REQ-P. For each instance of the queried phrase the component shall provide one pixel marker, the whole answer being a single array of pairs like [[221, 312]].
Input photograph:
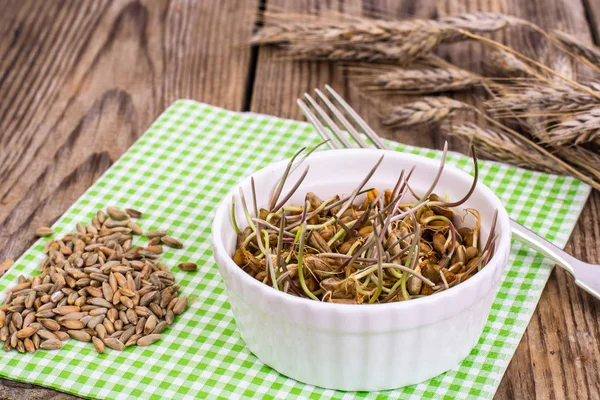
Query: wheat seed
[[133, 213], [116, 214], [188, 266], [44, 231], [156, 249], [5, 265], [98, 344], [155, 234], [172, 242], [51, 344], [180, 305], [148, 339], [135, 229], [27, 332], [46, 335], [114, 344], [94, 283], [82, 336], [160, 327], [29, 346], [64, 310]]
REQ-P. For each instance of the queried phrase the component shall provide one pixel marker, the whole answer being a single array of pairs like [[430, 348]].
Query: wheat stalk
[[427, 110], [531, 61], [478, 22], [483, 21], [542, 97], [415, 80], [502, 63], [590, 54], [499, 146]]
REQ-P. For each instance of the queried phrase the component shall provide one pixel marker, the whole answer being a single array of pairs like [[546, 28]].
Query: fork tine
[[329, 122], [317, 124], [340, 117], [366, 128]]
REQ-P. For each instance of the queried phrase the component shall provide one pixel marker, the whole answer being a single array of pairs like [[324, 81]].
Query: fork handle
[[587, 276]]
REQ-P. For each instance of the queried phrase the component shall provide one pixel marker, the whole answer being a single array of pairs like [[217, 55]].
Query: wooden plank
[[564, 329], [558, 355], [592, 8], [279, 83], [81, 80]]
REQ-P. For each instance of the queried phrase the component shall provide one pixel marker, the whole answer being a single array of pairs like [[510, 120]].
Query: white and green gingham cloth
[[177, 173]]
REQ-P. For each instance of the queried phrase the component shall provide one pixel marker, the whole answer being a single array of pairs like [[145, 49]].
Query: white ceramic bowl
[[361, 347]]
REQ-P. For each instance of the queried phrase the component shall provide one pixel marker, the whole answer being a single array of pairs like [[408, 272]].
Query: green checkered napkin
[[177, 174]]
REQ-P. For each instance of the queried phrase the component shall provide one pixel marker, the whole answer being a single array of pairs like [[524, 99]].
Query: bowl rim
[[502, 245]]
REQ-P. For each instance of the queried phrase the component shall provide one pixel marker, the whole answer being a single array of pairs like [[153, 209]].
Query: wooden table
[[81, 80]]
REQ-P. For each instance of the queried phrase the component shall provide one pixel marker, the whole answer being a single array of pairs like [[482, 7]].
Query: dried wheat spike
[[332, 53], [413, 46], [501, 147], [589, 52], [334, 28], [334, 36], [540, 98], [501, 63], [483, 21], [581, 128], [479, 22], [427, 110], [416, 80]]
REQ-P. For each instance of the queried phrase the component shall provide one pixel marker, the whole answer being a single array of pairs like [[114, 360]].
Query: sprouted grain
[[390, 246]]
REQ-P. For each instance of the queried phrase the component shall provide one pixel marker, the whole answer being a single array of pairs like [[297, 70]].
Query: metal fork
[[587, 276]]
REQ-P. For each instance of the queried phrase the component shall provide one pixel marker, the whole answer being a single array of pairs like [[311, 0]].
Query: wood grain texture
[[80, 80], [278, 96], [592, 12], [558, 356]]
